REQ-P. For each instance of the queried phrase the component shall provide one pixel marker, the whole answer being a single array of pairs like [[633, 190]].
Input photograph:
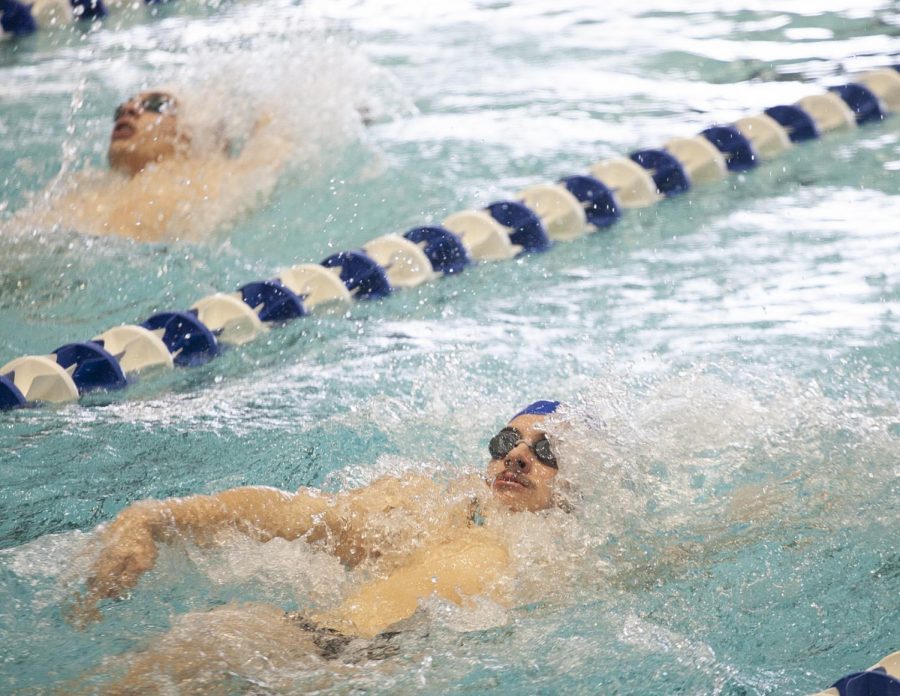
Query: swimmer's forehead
[[527, 424], [145, 93]]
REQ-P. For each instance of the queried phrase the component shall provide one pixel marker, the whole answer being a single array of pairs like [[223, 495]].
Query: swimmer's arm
[[264, 148], [129, 543], [258, 511]]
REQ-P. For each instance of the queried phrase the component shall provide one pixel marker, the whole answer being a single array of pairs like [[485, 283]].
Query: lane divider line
[[538, 217]]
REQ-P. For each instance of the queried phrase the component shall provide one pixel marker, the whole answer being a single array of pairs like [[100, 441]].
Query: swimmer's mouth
[[511, 480], [122, 130]]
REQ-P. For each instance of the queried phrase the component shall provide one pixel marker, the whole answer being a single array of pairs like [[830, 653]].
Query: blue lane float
[[577, 205], [796, 122], [864, 105], [445, 251], [16, 19], [525, 227], [600, 205], [272, 301], [21, 19], [868, 684], [189, 341], [881, 679], [739, 153], [90, 366], [10, 396], [667, 172], [89, 9], [364, 278]]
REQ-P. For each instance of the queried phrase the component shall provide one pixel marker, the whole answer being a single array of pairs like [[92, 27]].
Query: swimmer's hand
[[128, 550]]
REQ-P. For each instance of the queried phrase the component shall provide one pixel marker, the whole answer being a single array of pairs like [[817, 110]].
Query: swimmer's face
[[145, 131], [522, 476]]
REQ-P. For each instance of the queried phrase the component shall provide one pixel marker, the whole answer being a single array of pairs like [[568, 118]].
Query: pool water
[[729, 357]]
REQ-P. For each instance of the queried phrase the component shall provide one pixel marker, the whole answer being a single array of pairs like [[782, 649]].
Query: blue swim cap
[[538, 408]]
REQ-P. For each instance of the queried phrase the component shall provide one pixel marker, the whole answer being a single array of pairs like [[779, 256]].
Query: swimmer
[[439, 550], [417, 538], [169, 177], [145, 132]]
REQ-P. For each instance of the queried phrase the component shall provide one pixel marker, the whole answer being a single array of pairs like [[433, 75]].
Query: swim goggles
[[507, 439], [157, 102]]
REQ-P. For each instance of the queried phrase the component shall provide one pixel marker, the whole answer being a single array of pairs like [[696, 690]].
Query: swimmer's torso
[[420, 539], [386, 523], [180, 198], [146, 207]]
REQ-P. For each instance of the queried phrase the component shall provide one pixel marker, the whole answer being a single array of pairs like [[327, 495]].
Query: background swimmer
[[145, 132], [167, 171], [186, 160]]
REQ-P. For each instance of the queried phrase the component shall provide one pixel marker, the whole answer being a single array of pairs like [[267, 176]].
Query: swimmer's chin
[[511, 494], [504, 486]]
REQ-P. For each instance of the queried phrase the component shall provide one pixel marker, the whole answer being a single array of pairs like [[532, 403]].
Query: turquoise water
[[740, 338]]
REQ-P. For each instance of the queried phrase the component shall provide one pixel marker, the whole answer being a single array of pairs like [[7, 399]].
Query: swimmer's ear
[[221, 140], [563, 504], [564, 496]]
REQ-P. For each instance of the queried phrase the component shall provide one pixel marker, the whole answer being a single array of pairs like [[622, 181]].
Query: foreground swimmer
[[168, 179], [418, 538]]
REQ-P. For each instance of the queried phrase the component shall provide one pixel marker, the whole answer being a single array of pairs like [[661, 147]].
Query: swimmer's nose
[[515, 461], [129, 108]]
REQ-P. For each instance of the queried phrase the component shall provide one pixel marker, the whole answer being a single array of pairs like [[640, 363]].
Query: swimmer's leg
[[225, 650]]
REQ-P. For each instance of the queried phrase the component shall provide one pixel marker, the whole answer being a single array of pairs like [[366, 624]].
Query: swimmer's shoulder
[[383, 495], [403, 487]]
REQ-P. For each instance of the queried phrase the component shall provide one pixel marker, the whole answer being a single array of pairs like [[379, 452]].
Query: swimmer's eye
[[157, 103], [544, 453], [503, 443]]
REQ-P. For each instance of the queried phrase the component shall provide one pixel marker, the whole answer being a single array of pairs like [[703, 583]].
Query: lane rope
[[532, 222]]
